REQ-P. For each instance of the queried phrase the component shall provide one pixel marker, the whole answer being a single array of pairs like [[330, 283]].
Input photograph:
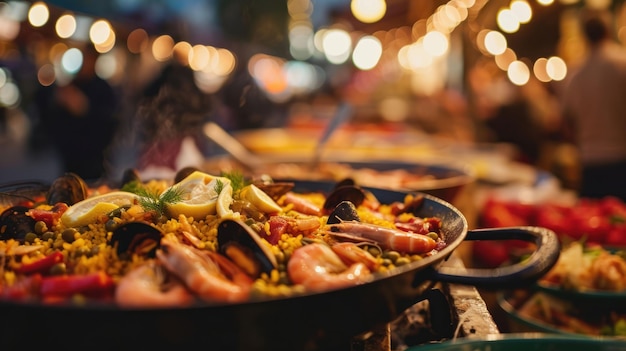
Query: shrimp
[[351, 253], [145, 286], [209, 275], [317, 267], [302, 205], [388, 238]]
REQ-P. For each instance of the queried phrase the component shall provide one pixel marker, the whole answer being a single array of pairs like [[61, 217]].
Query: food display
[[592, 221], [588, 268], [584, 292], [544, 312], [201, 237]]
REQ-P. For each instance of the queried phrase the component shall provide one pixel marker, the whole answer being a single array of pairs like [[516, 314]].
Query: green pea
[[391, 255], [58, 269], [374, 251], [30, 237], [402, 261], [433, 235], [110, 225], [69, 235], [47, 236], [82, 251], [40, 227]]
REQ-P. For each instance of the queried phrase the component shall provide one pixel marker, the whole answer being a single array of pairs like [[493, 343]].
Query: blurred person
[[594, 108], [168, 123], [79, 119]]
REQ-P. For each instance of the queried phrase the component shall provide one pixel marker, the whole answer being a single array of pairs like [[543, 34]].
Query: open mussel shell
[[22, 192], [351, 193], [140, 238], [345, 211], [275, 189], [15, 223], [184, 173], [242, 245], [68, 188]]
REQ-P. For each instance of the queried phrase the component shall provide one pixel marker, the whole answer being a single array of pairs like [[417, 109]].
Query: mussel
[[275, 189], [351, 193], [69, 188], [242, 245], [129, 176], [22, 193], [15, 223], [140, 238], [345, 211], [183, 173]]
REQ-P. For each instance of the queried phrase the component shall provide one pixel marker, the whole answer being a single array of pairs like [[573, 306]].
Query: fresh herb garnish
[[219, 186], [153, 201], [237, 180]]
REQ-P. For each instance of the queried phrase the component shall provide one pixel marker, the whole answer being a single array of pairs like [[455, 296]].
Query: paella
[[201, 237]]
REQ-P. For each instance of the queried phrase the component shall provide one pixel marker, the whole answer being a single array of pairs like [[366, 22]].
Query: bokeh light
[[367, 52], [368, 11], [495, 42], [162, 48], [518, 73], [72, 60], [556, 68], [65, 26], [337, 45], [38, 14]]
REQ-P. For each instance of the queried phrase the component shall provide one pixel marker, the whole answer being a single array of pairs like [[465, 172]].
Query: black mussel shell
[[275, 190], [415, 205], [345, 182], [345, 211], [236, 234], [130, 175], [22, 192], [184, 173], [69, 189], [351, 193], [15, 223], [140, 238]]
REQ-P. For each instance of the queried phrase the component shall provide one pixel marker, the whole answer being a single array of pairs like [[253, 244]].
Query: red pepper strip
[[50, 217], [68, 285], [23, 289], [42, 265]]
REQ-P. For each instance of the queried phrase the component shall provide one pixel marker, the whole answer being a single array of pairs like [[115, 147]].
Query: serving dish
[[530, 310], [311, 321]]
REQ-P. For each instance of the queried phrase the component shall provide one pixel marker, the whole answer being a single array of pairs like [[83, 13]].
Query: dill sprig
[[153, 201], [237, 180]]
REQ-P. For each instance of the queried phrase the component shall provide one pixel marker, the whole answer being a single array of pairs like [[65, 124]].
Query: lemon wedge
[[199, 195], [224, 200], [259, 199], [88, 210]]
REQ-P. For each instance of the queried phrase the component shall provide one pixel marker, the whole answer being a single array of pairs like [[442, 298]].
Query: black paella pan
[[316, 321]]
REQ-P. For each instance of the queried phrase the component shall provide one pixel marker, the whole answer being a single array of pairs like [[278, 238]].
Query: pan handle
[[516, 275]]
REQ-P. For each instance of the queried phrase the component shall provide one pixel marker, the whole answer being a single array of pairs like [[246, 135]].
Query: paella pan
[[265, 300]]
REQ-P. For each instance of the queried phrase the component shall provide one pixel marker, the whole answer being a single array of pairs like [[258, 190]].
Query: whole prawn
[[388, 238], [317, 267], [209, 275], [146, 286]]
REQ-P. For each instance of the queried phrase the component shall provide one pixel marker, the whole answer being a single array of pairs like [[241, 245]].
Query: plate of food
[[537, 311], [587, 271]]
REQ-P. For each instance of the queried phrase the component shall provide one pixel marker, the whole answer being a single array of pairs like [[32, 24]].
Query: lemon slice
[[259, 199], [199, 195], [88, 210], [224, 200]]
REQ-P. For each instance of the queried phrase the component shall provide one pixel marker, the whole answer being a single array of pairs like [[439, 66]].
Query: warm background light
[[368, 11]]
